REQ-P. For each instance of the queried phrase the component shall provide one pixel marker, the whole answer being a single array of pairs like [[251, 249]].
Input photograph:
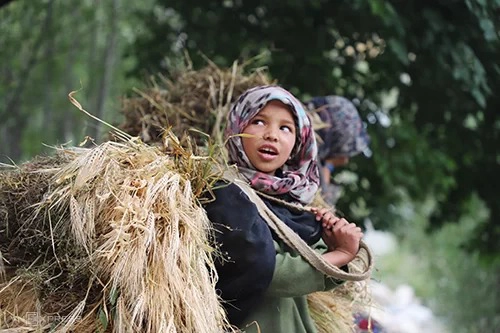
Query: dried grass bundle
[[198, 99], [128, 249], [21, 189], [332, 311]]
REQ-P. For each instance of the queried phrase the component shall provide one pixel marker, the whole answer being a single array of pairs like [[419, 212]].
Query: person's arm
[[294, 276]]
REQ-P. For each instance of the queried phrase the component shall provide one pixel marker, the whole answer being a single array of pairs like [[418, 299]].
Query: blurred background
[[424, 75]]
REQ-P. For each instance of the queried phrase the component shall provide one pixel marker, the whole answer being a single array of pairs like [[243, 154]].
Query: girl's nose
[[270, 135]]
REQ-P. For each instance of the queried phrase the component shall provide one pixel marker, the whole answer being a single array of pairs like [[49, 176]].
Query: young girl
[[262, 281]]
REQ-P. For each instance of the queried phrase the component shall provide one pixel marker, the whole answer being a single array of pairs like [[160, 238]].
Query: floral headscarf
[[345, 135], [299, 176]]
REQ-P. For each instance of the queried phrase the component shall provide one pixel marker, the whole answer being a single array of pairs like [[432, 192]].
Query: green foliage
[[440, 56], [455, 282], [467, 288], [48, 49]]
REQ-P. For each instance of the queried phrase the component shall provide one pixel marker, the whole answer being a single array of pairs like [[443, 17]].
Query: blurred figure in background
[[341, 136]]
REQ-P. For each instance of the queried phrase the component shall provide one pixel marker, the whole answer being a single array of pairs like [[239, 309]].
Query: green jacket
[[284, 308]]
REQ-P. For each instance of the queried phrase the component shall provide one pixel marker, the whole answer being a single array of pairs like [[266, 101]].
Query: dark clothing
[[303, 223], [248, 247]]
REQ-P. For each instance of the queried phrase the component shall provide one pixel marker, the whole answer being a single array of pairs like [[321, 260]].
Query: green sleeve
[[293, 276]]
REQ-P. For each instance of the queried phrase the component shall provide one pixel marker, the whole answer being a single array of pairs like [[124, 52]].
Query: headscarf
[[345, 134], [299, 177]]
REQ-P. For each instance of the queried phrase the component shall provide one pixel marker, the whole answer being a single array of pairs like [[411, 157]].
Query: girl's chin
[[267, 171]]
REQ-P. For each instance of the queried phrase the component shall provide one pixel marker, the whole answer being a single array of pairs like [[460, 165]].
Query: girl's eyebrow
[[289, 122]]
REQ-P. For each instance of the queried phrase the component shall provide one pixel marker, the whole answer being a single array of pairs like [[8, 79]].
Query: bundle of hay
[[332, 311], [111, 238], [198, 99]]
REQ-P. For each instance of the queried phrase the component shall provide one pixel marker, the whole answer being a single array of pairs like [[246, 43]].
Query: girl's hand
[[325, 216], [344, 238]]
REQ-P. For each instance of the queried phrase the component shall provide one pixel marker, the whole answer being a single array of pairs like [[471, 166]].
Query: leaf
[[479, 97], [113, 296], [489, 31], [103, 319], [399, 49]]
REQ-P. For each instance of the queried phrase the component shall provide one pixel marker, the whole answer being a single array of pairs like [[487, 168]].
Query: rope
[[360, 267]]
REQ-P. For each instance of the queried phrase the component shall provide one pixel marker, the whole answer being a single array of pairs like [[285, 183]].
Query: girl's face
[[271, 137]]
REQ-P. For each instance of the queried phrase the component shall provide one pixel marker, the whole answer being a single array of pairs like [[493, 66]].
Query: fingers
[[345, 226], [343, 230], [336, 225], [348, 231], [326, 216], [320, 213], [341, 223], [330, 221]]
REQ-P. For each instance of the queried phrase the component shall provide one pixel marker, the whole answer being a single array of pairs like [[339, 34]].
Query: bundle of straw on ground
[[189, 98], [109, 239]]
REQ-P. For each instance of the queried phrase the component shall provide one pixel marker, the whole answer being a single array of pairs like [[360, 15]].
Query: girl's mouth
[[268, 151]]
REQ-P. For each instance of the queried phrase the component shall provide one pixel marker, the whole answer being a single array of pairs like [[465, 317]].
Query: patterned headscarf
[[345, 135], [299, 176]]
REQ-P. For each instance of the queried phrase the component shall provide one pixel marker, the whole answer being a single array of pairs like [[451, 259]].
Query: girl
[[263, 282]]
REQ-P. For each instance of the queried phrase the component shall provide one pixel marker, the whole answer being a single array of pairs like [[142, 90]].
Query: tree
[[50, 48], [4, 2], [438, 57]]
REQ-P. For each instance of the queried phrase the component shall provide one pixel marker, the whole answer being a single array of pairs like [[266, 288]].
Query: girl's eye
[[286, 129], [257, 122]]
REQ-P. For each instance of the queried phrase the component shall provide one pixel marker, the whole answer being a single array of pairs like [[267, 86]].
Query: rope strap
[[359, 268]]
